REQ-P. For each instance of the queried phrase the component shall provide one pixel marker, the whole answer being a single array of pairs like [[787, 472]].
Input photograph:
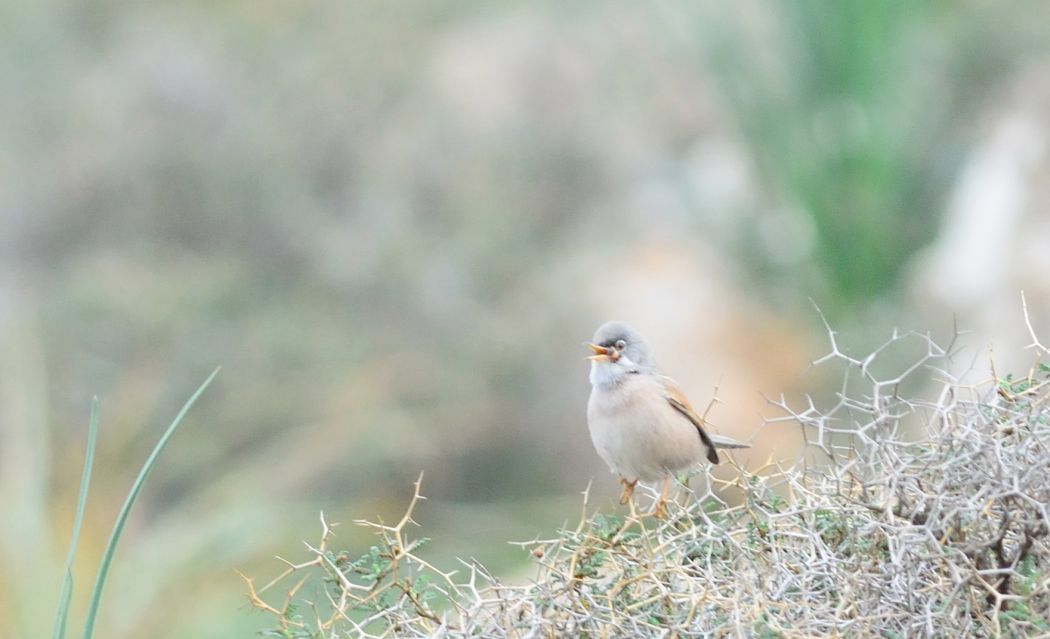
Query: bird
[[640, 422]]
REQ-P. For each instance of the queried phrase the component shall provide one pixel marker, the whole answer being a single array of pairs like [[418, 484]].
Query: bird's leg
[[660, 509], [628, 490]]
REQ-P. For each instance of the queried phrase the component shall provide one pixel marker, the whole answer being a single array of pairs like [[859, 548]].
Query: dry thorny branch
[[905, 517]]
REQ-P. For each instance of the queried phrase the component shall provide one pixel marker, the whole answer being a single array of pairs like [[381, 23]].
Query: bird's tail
[[721, 441]]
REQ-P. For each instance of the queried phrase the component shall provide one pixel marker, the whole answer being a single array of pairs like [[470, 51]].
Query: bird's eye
[[620, 344]]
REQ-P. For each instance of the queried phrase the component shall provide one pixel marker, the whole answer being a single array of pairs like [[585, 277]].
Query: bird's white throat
[[607, 374]]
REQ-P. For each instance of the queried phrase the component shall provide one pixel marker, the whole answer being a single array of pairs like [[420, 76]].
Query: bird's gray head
[[618, 350]]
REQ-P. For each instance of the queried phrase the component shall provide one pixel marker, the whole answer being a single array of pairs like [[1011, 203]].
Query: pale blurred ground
[[393, 225]]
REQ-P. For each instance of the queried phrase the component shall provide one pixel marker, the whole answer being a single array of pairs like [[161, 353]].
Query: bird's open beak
[[601, 353]]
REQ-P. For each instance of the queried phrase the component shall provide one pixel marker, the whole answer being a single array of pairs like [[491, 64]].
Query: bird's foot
[[628, 490]]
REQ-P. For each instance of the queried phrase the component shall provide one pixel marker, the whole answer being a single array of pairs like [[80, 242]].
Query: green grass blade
[[62, 616], [129, 501]]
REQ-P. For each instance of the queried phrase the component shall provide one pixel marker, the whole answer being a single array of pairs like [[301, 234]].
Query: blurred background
[[393, 224]]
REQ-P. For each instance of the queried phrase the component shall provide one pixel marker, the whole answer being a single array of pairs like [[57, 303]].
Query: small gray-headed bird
[[641, 424]]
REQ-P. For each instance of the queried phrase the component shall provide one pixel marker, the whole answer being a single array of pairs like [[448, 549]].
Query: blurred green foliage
[[858, 113]]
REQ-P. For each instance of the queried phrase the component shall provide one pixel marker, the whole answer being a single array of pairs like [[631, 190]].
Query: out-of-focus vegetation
[[858, 116], [393, 224]]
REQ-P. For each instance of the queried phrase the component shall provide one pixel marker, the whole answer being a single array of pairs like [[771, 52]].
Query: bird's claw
[[628, 490]]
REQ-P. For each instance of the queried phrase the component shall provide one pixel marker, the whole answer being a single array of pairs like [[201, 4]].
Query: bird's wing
[[677, 399]]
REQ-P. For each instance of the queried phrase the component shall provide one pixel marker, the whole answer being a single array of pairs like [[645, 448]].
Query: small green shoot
[[65, 596], [62, 616]]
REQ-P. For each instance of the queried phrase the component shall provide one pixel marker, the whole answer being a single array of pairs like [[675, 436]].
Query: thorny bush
[[905, 516]]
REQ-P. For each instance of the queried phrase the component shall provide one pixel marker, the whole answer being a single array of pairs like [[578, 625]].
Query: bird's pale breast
[[638, 433]]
